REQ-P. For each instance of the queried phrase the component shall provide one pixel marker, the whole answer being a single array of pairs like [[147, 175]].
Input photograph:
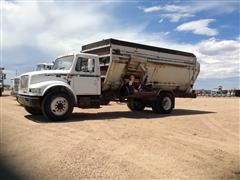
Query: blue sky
[[35, 32]]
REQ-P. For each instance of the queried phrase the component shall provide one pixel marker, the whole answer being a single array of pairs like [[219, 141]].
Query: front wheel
[[33, 110], [57, 106], [17, 100], [164, 103]]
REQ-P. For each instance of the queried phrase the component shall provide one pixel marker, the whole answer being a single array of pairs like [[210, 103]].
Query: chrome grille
[[24, 83], [16, 84]]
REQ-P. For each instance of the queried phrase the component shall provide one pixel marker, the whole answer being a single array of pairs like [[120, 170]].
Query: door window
[[83, 64]]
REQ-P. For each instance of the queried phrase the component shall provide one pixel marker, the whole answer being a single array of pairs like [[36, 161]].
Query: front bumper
[[31, 101]]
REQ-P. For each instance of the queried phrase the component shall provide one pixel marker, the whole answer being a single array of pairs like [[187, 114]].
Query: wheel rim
[[166, 103], [59, 106]]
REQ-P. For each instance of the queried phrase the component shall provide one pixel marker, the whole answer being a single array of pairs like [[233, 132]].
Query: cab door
[[86, 80]]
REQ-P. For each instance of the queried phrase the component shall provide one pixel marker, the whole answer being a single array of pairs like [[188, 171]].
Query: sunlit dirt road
[[199, 140]]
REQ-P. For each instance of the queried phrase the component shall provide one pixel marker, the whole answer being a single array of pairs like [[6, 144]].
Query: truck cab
[[55, 92]]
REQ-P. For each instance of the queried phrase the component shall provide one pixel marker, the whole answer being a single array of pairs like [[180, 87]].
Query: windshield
[[40, 67], [63, 63]]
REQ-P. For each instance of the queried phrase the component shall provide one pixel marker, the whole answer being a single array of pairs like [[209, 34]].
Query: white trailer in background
[[110, 70]]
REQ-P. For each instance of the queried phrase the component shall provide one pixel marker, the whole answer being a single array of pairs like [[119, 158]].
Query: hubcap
[[166, 103], [59, 106]]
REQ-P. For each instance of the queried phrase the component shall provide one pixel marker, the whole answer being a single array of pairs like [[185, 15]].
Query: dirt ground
[[199, 140]]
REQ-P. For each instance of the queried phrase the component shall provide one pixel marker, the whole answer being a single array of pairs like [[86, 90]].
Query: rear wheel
[[164, 103], [57, 106], [136, 105], [33, 110]]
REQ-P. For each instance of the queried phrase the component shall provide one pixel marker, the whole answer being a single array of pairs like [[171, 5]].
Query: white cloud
[[189, 9], [175, 17], [152, 9], [223, 47], [168, 8], [161, 20], [194, 7], [175, 8], [48, 24], [215, 7], [219, 58], [198, 27], [172, 12]]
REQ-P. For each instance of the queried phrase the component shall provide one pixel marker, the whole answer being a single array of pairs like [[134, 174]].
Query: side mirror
[[90, 65]]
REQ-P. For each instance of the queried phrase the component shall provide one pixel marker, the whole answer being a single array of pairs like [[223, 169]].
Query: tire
[[135, 105], [33, 111], [57, 106], [17, 99], [0, 92], [164, 103]]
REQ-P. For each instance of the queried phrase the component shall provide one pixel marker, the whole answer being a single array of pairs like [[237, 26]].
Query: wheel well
[[60, 89], [165, 91]]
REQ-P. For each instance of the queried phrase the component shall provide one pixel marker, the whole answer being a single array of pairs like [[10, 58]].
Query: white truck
[[15, 86], [110, 70], [2, 77]]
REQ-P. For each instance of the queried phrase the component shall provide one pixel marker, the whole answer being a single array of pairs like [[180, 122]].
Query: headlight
[[35, 90]]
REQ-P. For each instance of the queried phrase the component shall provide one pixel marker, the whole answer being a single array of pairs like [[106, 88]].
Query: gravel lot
[[199, 140]]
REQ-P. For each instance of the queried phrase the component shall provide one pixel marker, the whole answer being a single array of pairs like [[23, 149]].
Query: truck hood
[[50, 72]]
